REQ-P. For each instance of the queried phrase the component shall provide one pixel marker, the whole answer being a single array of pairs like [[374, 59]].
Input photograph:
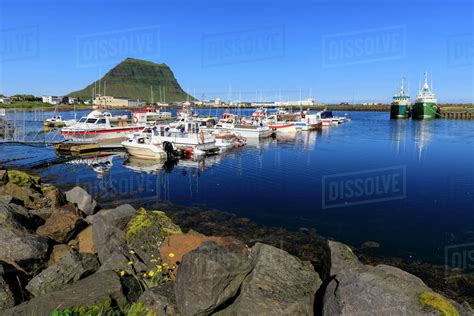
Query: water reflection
[[423, 133], [100, 163]]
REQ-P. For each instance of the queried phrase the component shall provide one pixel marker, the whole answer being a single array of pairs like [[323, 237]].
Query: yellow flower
[[171, 255], [151, 273], [122, 273], [153, 260], [165, 264], [130, 263], [144, 275], [132, 252]]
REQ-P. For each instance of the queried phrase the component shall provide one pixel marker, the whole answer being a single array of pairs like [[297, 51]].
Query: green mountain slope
[[133, 78]]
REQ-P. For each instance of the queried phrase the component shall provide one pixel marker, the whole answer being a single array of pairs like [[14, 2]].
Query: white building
[[307, 102], [5, 100], [52, 99]]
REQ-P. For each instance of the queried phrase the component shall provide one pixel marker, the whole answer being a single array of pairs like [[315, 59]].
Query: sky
[[330, 50]]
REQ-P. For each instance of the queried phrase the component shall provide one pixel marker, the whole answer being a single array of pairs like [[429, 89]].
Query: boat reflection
[[156, 166], [398, 132], [100, 163], [423, 131]]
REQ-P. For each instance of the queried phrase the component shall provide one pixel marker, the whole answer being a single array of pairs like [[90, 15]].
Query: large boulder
[[340, 257], [70, 268], [3, 176], [209, 277], [95, 289], [7, 299], [17, 243], [108, 230], [82, 199], [160, 300], [379, 290], [60, 226], [146, 231], [57, 253], [279, 284]]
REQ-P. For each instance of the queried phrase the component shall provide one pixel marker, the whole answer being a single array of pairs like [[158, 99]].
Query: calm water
[[418, 181]]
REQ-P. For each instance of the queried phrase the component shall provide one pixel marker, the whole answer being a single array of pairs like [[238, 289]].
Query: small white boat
[[326, 117], [160, 140], [226, 139], [57, 121], [253, 129], [280, 126], [149, 115], [100, 125]]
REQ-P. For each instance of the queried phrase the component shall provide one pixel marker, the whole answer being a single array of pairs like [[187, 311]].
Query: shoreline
[[305, 244]]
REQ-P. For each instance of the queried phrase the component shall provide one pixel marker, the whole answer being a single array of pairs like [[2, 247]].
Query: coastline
[[36, 203]]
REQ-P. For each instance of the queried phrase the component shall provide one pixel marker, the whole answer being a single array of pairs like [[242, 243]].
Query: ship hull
[[424, 111], [399, 111]]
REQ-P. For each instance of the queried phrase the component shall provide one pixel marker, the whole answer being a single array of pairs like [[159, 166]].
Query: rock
[[70, 268], [161, 300], [279, 284], [3, 176], [370, 245], [146, 231], [23, 194], [23, 179], [117, 261], [95, 289], [180, 245], [107, 230], [7, 299], [86, 242], [379, 290], [5, 198], [53, 197], [82, 199], [208, 277], [17, 243], [340, 257], [58, 252], [60, 226]]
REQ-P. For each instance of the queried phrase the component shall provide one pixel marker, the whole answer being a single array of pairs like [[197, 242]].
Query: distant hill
[[133, 78]]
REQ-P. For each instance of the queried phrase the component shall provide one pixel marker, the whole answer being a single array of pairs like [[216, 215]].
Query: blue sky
[[332, 50]]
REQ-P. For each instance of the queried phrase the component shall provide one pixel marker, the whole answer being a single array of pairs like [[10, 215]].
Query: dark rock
[[117, 261], [24, 194], [82, 199], [60, 226], [208, 277], [7, 299], [380, 290], [94, 289], [145, 233], [17, 243], [161, 300], [70, 268], [53, 197], [107, 230], [279, 284]]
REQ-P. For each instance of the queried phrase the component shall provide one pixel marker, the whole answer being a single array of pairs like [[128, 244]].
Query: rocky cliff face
[[69, 256]]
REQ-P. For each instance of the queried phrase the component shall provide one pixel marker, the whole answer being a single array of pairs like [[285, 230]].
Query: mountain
[[133, 79]]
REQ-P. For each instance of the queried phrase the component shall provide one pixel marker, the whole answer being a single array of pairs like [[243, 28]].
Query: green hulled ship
[[425, 103], [400, 107]]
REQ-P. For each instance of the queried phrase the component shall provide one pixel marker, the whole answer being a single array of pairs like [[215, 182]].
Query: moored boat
[[425, 106], [100, 125], [57, 121], [400, 107]]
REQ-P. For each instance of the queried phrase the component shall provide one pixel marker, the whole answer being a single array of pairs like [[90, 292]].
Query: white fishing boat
[[326, 117], [149, 115], [57, 121], [253, 129], [276, 124], [159, 140], [100, 125], [309, 122], [226, 139]]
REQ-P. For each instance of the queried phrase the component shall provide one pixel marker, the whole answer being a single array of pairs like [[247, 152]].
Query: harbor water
[[407, 185]]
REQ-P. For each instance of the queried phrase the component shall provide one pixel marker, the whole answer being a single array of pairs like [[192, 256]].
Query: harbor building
[[107, 101], [52, 99]]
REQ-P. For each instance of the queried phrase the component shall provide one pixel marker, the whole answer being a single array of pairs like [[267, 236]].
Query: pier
[[465, 114]]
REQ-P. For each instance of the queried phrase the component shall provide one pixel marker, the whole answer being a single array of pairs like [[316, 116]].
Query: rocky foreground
[[61, 254]]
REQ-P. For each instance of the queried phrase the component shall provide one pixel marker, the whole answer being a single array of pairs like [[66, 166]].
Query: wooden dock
[[78, 148]]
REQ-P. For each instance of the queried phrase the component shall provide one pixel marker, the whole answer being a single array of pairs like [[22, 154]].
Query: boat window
[[91, 120], [82, 120], [102, 121]]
